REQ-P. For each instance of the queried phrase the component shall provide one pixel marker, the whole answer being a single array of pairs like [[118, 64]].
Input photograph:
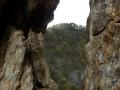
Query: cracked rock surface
[[103, 70], [22, 26]]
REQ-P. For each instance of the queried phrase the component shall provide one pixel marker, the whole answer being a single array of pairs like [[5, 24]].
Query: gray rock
[[103, 71], [22, 23]]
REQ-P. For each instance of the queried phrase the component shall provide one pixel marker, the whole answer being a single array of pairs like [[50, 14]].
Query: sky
[[68, 11]]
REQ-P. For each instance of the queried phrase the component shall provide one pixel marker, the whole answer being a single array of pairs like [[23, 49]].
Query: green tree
[[65, 53]]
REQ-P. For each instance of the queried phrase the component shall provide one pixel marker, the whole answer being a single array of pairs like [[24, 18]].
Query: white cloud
[[71, 11]]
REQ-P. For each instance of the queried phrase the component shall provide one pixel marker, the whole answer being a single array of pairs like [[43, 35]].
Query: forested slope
[[66, 55]]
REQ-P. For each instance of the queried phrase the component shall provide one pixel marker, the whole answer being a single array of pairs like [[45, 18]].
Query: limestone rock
[[22, 65], [103, 70]]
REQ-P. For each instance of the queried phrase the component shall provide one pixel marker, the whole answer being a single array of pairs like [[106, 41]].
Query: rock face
[[103, 71], [26, 14], [22, 23]]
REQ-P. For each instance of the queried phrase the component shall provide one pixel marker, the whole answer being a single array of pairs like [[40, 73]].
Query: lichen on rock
[[22, 26], [102, 72]]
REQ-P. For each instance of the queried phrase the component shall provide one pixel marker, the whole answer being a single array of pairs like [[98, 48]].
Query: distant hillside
[[65, 53]]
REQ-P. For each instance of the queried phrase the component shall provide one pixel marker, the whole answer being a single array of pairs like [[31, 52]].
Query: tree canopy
[[65, 53]]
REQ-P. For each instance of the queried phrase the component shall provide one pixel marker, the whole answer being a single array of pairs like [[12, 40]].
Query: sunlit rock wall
[[103, 70]]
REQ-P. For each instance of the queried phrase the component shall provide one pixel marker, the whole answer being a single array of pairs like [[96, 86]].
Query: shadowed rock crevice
[[26, 14]]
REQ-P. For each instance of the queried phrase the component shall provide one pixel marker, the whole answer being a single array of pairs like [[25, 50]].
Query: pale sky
[[68, 11]]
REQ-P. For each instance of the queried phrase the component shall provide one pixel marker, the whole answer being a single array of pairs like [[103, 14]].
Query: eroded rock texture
[[22, 26], [103, 71]]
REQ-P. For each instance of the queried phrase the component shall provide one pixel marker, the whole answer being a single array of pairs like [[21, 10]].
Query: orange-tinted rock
[[102, 72]]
